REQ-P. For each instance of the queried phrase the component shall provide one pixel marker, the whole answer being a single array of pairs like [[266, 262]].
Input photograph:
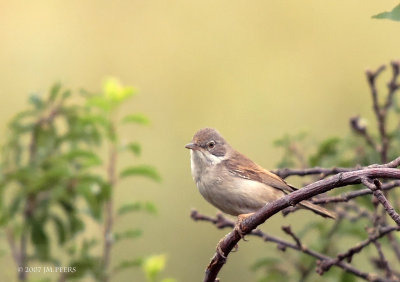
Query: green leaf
[[100, 102], [326, 149], [136, 118], [114, 91], [135, 148], [137, 206], [75, 224], [128, 234], [126, 208], [66, 94], [36, 101], [60, 228], [54, 91], [39, 239], [150, 207], [38, 236], [15, 205], [393, 15], [88, 158], [153, 265], [142, 170], [169, 280], [128, 264]]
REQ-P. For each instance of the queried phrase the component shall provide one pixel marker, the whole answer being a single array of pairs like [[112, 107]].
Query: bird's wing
[[241, 166]]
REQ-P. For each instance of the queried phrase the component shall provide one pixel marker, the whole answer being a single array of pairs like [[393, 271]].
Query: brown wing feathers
[[243, 167]]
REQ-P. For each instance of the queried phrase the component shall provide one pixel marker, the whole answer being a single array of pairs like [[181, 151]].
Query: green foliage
[[135, 148], [153, 266], [51, 159], [128, 234], [137, 206], [114, 94], [326, 149], [142, 170], [393, 15], [136, 118], [125, 264]]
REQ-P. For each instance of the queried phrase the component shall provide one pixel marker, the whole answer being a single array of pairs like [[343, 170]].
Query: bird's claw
[[238, 229], [238, 225]]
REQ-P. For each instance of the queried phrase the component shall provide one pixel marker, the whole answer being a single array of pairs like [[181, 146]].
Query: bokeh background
[[254, 70]]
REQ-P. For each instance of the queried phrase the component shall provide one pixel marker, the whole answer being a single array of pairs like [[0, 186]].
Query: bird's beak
[[191, 146]]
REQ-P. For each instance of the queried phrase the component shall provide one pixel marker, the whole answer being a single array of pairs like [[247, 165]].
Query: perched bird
[[232, 182]]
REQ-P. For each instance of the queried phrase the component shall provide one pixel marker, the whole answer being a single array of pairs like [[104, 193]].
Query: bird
[[232, 182]]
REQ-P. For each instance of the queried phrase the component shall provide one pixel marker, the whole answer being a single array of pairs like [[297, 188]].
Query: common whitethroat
[[232, 182]]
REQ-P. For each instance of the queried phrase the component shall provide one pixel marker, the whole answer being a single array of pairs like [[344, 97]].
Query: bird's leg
[[238, 224]]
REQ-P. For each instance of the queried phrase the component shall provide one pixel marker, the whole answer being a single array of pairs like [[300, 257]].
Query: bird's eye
[[211, 144]]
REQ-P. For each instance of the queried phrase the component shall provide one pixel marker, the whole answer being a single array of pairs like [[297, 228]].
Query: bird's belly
[[238, 196]]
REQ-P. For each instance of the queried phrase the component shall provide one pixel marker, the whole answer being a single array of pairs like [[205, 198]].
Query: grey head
[[209, 140]]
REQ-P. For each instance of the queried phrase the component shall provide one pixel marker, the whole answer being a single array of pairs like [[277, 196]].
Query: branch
[[286, 172], [348, 255], [109, 220], [358, 127], [354, 194], [380, 112], [376, 188], [339, 180], [383, 262], [221, 222]]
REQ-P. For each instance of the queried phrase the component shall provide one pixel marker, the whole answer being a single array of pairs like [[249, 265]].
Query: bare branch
[[348, 255], [286, 172], [376, 189], [358, 127], [288, 230], [339, 180], [354, 194], [283, 245], [383, 262]]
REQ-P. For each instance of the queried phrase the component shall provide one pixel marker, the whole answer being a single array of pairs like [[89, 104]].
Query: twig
[[348, 255], [380, 112], [376, 189], [286, 172], [354, 194], [361, 129], [109, 220], [392, 85], [384, 263], [288, 230]]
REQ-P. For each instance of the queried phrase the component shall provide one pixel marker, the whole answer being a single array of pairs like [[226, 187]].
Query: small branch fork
[[381, 111], [228, 243], [376, 188]]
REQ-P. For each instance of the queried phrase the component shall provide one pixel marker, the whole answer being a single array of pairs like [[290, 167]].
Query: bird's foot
[[238, 225]]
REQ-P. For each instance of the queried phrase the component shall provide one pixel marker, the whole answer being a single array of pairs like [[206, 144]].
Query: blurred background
[[253, 70]]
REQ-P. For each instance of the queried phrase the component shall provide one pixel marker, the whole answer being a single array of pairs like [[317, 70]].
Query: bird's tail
[[317, 209]]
